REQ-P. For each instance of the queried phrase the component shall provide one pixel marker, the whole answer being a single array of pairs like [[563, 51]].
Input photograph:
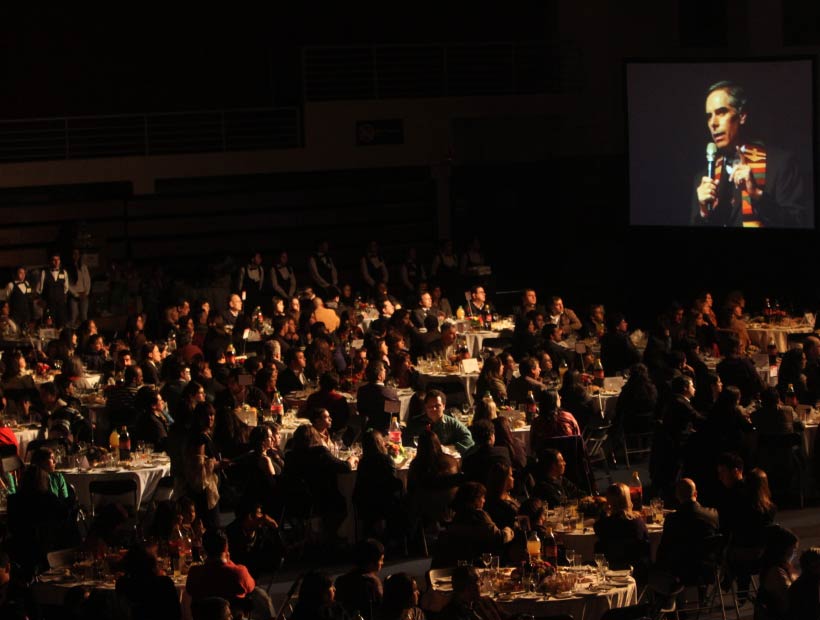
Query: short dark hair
[[373, 369], [736, 93], [482, 431], [367, 552], [315, 413], [680, 384], [433, 394], [214, 542], [730, 460]]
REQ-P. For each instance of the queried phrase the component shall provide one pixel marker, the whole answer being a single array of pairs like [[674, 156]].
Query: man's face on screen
[[723, 119]]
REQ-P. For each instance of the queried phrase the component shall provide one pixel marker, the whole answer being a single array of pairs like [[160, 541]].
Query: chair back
[[61, 557], [631, 612], [439, 579], [121, 490], [12, 466]]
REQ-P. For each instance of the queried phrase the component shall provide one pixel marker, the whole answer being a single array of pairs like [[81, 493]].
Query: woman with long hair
[[472, 531], [552, 421], [504, 437], [777, 574], [501, 505], [202, 461], [491, 380], [432, 480], [576, 400], [622, 534], [400, 599], [378, 493], [148, 594]]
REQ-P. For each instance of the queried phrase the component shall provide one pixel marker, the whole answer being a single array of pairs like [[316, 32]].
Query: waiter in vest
[[20, 295], [53, 289]]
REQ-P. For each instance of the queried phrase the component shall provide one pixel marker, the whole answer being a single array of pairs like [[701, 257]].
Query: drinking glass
[[599, 559], [570, 554], [486, 559], [415, 441]]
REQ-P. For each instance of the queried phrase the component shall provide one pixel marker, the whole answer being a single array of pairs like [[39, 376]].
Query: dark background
[[560, 221]]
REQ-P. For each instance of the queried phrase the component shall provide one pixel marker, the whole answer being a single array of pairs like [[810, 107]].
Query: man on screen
[[753, 185]]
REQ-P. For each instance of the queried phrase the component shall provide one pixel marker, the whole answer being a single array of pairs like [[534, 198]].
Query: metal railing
[[83, 137], [437, 70]]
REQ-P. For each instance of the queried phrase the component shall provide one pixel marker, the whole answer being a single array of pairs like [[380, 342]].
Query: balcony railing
[[128, 135]]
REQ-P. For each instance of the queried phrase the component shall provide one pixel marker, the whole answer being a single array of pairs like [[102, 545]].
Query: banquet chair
[[636, 435], [709, 587], [630, 612], [61, 557], [12, 466], [7, 450], [596, 441], [104, 492]]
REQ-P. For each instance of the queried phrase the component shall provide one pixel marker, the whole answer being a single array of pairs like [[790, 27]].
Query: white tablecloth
[[584, 541], [24, 437], [147, 478], [467, 381], [763, 335], [582, 605]]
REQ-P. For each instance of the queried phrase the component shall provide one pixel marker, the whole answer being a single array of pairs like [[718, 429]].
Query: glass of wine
[[602, 564]]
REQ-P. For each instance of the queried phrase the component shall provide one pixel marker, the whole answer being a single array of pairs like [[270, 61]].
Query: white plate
[[618, 574], [620, 581], [562, 595]]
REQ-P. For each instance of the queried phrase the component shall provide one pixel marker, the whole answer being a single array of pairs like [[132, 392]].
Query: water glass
[[570, 555]]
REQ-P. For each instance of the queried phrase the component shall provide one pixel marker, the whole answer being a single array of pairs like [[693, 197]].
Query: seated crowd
[[181, 387]]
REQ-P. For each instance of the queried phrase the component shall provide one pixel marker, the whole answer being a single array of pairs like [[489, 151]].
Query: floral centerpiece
[[396, 451]]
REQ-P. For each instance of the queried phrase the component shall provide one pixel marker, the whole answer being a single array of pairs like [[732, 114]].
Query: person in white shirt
[[20, 296], [53, 289], [79, 287]]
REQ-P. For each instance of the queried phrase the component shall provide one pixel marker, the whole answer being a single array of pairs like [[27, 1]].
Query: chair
[[631, 612], [12, 466], [435, 576], [7, 449], [664, 589], [104, 492], [165, 489], [597, 447], [636, 437], [709, 588], [61, 557]]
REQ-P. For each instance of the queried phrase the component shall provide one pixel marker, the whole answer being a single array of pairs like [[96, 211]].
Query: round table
[[147, 477]]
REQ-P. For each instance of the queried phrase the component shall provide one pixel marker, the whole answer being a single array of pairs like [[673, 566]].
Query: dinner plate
[[562, 595], [618, 574], [620, 581]]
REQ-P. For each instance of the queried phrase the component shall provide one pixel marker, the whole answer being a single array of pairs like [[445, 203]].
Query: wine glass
[[486, 559], [415, 441], [602, 564], [570, 554]]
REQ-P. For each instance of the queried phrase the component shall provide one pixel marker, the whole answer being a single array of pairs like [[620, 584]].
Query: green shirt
[[449, 430]]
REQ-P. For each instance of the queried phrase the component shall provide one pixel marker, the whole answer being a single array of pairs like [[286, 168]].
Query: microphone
[[711, 151]]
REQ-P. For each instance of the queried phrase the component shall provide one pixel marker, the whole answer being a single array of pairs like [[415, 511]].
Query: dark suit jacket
[[289, 382], [681, 546], [518, 388], [150, 373], [370, 400], [558, 353]]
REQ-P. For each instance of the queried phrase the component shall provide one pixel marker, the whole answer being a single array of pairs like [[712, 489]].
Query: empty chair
[[123, 491], [636, 437], [11, 468]]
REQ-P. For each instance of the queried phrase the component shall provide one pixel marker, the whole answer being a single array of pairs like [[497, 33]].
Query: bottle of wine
[[549, 548], [636, 491], [125, 444], [531, 407]]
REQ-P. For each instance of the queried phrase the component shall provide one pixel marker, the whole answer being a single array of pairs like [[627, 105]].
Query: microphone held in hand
[[711, 152]]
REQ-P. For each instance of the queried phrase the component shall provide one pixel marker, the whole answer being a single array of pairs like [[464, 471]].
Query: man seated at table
[[376, 402], [292, 379], [563, 317], [445, 346], [551, 485], [328, 397], [773, 417], [684, 532], [528, 381], [529, 303], [476, 465], [119, 399], [740, 371], [449, 430], [478, 304], [219, 576], [466, 602], [423, 310], [551, 336]]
